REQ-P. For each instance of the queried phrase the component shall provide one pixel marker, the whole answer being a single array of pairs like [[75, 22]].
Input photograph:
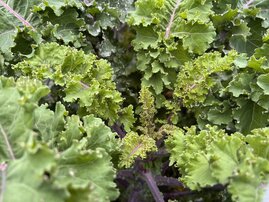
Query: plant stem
[[84, 85], [9, 148], [168, 181], [17, 15], [118, 130], [153, 186], [168, 28], [247, 4], [181, 194]]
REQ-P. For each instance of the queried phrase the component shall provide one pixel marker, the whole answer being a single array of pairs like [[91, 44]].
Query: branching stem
[[168, 28], [17, 15], [9, 148]]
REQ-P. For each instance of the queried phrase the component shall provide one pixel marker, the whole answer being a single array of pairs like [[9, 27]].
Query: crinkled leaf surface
[[88, 168], [32, 178], [16, 116], [83, 78], [9, 24], [206, 159]]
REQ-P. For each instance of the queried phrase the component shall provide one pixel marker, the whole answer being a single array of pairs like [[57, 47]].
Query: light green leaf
[[127, 118], [246, 185], [48, 123], [212, 156], [88, 168], [145, 38], [194, 80], [196, 37], [17, 114], [197, 11], [82, 77], [135, 146], [99, 135], [31, 177], [258, 140]]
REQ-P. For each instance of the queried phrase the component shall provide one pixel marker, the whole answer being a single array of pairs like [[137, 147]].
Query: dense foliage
[[124, 100]]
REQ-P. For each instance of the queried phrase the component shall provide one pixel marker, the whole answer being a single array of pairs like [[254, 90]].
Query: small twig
[[153, 186], [11, 153], [247, 4], [3, 167], [168, 28], [17, 15]]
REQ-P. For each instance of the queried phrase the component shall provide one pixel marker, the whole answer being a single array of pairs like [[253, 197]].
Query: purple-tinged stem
[[17, 15], [153, 186]]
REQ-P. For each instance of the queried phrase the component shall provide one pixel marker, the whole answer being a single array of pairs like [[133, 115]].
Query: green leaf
[[143, 12], [135, 146], [31, 177], [10, 25], [49, 124], [263, 82], [99, 135], [240, 33], [145, 38], [82, 77], [250, 178], [67, 26], [196, 37], [197, 11], [220, 116], [261, 53], [194, 80], [212, 157], [73, 131], [16, 114], [258, 140], [249, 116], [127, 118], [248, 37], [226, 157], [240, 85], [58, 6], [88, 168]]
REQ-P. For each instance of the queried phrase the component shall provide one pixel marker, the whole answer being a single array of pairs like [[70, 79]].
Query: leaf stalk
[[9, 148], [17, 15], [168, 28], [153, 186]]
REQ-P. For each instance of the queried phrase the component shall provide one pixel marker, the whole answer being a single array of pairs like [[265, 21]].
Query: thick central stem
[[168, 28], [153, 186]]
